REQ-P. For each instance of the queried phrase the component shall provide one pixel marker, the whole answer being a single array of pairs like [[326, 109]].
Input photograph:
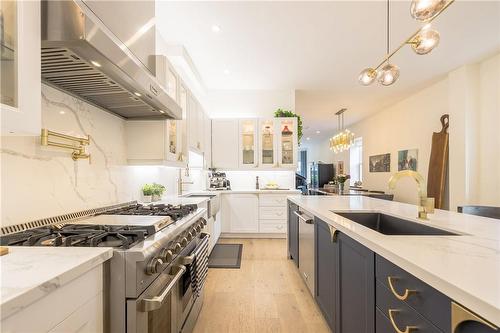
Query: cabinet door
[[356, 287], [247, 154], [286, 132], [183, 124], [326, 254], [293, 233], [267, 143], [20, 66], [172, 145], [192, 120], [242, 212], [225, 143], [207, 147], [200, 125]]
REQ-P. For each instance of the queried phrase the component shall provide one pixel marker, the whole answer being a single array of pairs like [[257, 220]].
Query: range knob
[[204, 222], [189, 236], [184, 241], [154, 266], [166, 255], [177, 248], [198, 228]]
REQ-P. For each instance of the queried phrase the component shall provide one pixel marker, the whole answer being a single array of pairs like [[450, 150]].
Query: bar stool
[[485, 211]]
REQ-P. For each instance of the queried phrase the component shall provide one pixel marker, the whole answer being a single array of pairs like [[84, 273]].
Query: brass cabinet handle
[[408, 329], [333, 233], [403, 297]]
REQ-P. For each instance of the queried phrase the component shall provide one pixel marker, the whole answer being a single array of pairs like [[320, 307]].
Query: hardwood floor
[[265, 295]]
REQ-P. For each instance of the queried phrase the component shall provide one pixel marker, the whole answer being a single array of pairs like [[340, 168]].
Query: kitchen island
[[464, 267]]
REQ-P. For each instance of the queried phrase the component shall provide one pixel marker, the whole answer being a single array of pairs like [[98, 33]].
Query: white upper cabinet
[[225, 143], [255, 143], [286, 130], [267, 143], [248, 148], [208, 141], [20, 87]]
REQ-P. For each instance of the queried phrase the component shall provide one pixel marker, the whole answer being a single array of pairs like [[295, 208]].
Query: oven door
[[159, 308]]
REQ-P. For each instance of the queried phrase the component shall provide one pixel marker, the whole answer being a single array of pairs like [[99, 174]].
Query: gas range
[[157, 247], [118, 228]]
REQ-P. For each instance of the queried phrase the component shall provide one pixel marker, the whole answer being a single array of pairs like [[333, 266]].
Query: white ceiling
[[320, 47]]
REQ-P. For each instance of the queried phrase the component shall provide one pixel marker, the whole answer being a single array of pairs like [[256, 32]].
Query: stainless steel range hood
[[82, 56]]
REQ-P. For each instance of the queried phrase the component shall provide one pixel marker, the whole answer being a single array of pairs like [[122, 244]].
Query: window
[[356, 161]]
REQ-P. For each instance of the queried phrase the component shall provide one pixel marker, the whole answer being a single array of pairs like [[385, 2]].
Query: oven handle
[[188, 260], [154, 303]]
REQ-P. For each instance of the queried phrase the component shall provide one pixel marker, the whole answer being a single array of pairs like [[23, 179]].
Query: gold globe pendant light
[[423, 41], [425, 10], [345, 138]]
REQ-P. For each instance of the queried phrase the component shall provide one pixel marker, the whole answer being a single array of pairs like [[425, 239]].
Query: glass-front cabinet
[[20, 67], [267, 143], [287, 146], [248, 156]]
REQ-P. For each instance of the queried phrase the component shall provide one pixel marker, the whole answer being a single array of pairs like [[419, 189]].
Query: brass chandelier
[[345, 138], [423, 41]]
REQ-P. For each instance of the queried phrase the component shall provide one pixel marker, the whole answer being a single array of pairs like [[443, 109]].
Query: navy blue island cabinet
[[345, 289]]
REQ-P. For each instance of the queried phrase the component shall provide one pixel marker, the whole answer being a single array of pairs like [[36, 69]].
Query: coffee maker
[[217, 181]]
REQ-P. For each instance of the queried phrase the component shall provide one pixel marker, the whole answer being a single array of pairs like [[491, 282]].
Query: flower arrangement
[[341, 179]]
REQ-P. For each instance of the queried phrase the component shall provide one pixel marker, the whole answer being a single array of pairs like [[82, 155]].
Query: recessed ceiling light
[[137, 94], [95, 63], [62, 112], [215, 28], [226, 71], [317, 132], [308, 138], [161, 111]]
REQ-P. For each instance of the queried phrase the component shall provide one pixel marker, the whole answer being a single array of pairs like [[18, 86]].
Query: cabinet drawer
[[272, 213], [402, 315], [426, 300], [272, 200], [272, 227]]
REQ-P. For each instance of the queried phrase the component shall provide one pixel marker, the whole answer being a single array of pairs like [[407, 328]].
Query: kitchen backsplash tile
[[244, 180], [41, 181]]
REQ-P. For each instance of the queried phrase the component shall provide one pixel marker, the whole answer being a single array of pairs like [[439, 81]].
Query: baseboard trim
[[252, 235]]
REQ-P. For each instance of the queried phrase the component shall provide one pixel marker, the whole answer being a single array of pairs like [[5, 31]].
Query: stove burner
[[175, 212], [77, 235]]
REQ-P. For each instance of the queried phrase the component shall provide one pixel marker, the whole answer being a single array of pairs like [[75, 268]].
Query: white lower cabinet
[[240, 213], [74, 307], [254, 213]]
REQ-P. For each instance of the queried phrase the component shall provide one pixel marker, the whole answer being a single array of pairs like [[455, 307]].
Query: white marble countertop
[[179, 200], [465, 267], [250, 191], [30, 273]]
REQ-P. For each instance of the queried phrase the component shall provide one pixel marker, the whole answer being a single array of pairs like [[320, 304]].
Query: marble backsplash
[[39, 182]]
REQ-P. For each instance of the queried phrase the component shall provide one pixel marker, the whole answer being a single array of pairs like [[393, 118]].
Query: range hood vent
[[81, 56]]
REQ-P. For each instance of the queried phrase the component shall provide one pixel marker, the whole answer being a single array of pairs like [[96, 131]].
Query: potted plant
[[288, 114], [341, 179], [147, 192], [158, 191]]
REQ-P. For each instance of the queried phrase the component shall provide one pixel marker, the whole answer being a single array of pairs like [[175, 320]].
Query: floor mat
[[225, 256]]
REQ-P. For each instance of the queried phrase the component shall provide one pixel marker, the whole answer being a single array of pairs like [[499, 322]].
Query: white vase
[[146, 198], [156, 197]]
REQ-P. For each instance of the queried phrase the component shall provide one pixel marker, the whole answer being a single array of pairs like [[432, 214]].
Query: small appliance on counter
[[217, 181]]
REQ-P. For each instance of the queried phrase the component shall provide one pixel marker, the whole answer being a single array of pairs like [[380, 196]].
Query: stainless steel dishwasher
[[306, 248]]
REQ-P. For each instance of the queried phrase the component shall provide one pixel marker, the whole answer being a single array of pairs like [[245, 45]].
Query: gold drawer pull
[[408, 329], [403, 297]]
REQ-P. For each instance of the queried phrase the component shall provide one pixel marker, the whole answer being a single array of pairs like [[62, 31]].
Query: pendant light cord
[[388, 29]]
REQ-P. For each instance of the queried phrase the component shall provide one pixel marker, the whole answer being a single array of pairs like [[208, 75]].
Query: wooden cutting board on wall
[[438, 163]]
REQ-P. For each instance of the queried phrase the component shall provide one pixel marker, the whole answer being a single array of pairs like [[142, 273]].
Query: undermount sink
[[390, 225]]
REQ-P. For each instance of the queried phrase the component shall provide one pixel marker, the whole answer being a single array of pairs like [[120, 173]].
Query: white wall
[[248, 103], [38, 182], [471, 95]]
